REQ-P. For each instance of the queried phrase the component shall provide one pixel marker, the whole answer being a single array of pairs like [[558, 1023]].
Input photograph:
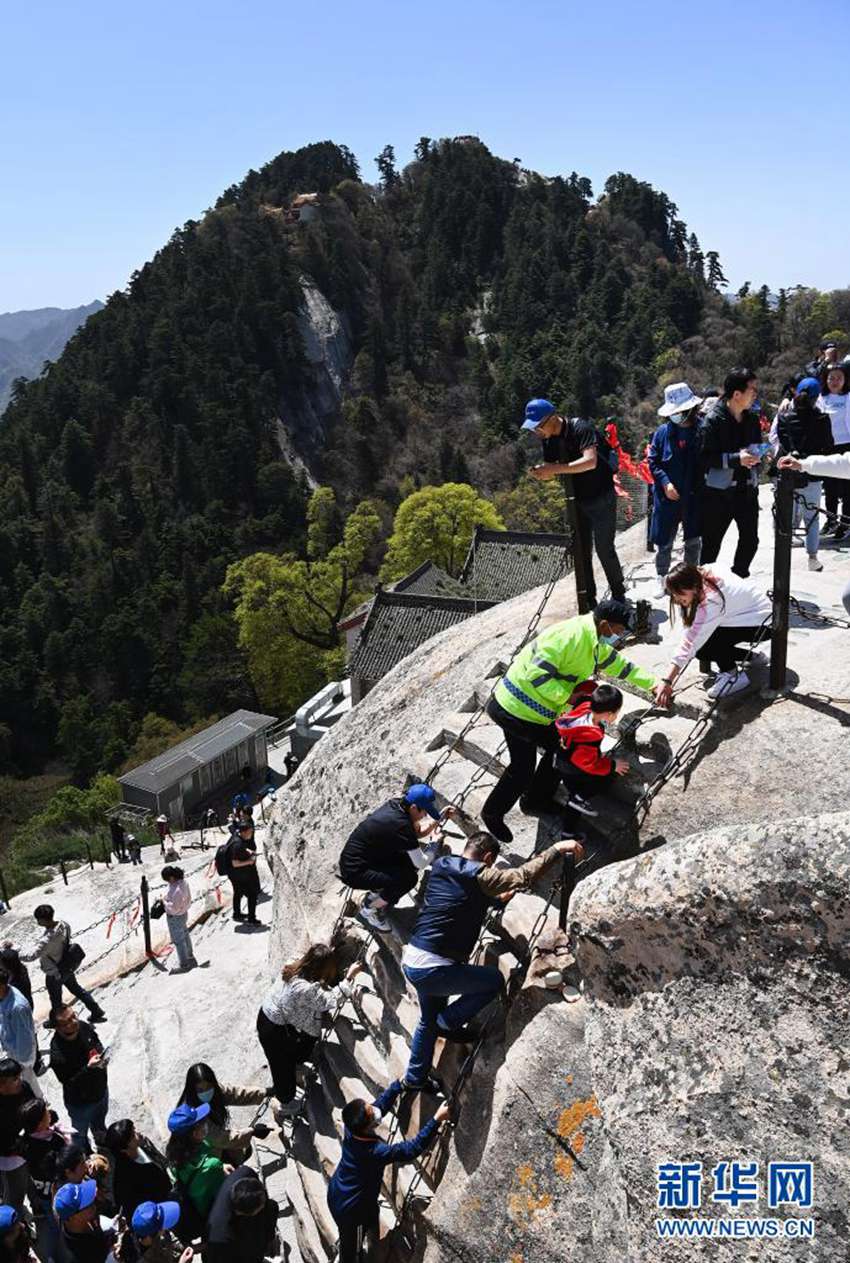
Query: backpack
[[72, 957], [222, 858]]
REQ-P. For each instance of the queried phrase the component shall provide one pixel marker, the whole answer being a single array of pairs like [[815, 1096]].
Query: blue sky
[[119, 125]]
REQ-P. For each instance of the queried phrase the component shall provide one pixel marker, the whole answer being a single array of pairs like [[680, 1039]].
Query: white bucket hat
[[678, 398]]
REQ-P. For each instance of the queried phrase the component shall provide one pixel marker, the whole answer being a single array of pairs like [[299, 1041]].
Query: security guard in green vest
[[527, 701]]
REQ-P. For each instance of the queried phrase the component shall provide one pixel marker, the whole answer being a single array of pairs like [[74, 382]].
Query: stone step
[[309, 1240], [313, 1190]]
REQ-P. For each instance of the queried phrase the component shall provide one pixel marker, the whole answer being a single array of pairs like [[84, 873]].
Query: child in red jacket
[[584, 769]]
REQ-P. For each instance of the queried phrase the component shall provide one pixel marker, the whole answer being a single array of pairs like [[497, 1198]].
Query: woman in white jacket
[[722, 614], [835, 466]]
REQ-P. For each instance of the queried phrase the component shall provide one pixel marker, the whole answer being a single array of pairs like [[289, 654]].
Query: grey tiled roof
[[428, 580], [502, 564], [399, 622], [181, 760]]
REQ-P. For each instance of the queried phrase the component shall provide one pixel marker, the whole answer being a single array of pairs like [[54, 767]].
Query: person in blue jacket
[[356, 1183], [674, 460]]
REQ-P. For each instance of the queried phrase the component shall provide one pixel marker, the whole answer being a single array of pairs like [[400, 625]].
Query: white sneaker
[[374, 917], [290, 1109], [729, 682], [814, 562]]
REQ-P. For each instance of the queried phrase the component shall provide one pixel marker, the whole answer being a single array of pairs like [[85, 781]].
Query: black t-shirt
[[568, 446], [82, 1084], [88, 1247], [381, 837], [238, 1238]]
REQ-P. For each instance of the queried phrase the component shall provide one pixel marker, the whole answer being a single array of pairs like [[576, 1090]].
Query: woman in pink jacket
[[177, 899]]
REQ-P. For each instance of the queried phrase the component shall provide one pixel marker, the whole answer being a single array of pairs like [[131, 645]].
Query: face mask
[[609, 640], [207, 1095]]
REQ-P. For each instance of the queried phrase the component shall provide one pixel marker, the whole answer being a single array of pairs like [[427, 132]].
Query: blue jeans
[[89, 1117], [178, 929], [475, 985]]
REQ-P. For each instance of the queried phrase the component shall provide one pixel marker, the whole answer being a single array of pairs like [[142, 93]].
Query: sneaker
[[660, 593], [581, 805], [100, 1016], [430, 1085], [289, 1109], [729, 682], [179, 969], [814, 562], [498, 828], [374, 917]]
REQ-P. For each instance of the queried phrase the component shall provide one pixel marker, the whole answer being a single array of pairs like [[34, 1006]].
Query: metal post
[[64, 872], [146, 918], [88, 853], [568, 885], [784, 514], [650, 501], [3, 890], [581, 563]]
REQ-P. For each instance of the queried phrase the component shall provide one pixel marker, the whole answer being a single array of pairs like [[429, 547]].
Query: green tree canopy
[[437, 524]]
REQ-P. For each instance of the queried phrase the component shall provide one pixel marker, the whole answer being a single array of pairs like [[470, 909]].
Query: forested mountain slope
[[181, 427]]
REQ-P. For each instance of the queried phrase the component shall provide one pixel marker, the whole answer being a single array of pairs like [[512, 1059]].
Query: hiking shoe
[[100, 1016], [498, 828], [289, 1109], [534, 807], [430, 1085], [577, 803], [729, 682], [814, 562], [374, 917]]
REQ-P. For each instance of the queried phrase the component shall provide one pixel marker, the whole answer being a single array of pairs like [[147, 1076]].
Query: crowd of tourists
[[97, 1188]]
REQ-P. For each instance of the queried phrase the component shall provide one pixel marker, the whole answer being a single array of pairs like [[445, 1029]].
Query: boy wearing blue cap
[[15, 1237], [76, 1209], [152, 1223], [571, 446], [384, 852]]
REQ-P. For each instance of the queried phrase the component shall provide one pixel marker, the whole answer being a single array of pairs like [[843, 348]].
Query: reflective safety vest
[[542, 677]]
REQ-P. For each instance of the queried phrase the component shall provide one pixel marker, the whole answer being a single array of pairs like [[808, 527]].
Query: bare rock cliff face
[[714, 1016]]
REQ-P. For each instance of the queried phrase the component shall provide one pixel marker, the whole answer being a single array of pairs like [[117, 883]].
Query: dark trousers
[[285, 1049], [54, 990], [597, 525], [247, 892], [391, 881], [350, 1238], [584, 783], [523, 775], [836, 491], [719, 510], [728, 645]]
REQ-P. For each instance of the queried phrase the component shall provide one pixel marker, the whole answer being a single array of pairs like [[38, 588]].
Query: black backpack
[[222, 858]]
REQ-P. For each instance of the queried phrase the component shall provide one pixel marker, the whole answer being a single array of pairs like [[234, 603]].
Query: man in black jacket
[[803, 430], [14, 1177], [732, 448], [77, 1060], [571, 446], [241, 1226], [377, 855]]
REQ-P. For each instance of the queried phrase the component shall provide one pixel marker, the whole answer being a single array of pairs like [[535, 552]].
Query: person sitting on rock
[[582, 766], [378, 856], [461, 889], [290, 1018], [533, 692], [355, 1185]]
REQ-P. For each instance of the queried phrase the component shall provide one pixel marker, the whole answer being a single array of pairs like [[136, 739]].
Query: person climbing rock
[[533, 692], [461, 889], [355, 1185], [378, 855], [290, 1018], [580, 763]]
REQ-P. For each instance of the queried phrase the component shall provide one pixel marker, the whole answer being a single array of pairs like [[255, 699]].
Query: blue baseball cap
[[423, 796], [808, 386], [73, 1198], [8, 1218], [185, 1117], [152, 1217], [536, 410]]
